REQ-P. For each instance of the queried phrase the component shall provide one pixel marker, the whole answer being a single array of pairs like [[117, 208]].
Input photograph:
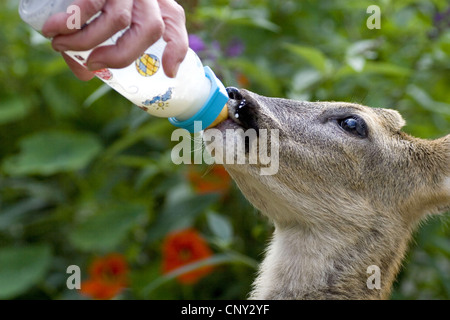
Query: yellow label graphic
[[147, 65]]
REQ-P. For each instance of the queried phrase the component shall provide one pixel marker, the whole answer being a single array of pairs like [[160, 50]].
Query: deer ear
[[432, 159], [390, 118], [446, 167]]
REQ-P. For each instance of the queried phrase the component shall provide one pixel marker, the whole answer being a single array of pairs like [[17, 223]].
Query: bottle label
[[159, 102], [139, 79]]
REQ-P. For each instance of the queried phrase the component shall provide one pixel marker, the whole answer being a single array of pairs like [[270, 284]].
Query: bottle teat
[[221, 118]]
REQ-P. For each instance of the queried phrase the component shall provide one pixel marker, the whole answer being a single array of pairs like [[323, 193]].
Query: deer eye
[[354, 125]]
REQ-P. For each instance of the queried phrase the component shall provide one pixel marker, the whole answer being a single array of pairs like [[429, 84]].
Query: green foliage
[[22, 267], [47, 153], [107, 230], [84, 173]]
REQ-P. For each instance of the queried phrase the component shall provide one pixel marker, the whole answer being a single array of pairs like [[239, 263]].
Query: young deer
[[349, 191]]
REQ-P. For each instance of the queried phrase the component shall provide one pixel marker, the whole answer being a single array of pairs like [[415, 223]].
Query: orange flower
[[184, 247], [216, 180], [242, 80], [108, 277]]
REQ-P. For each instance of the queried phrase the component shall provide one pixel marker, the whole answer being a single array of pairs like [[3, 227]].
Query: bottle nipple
[[223, 115]]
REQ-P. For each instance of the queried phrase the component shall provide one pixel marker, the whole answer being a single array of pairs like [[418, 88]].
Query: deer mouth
[[241, 110]]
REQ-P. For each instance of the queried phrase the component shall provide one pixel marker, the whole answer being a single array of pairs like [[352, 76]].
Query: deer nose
[[233, 93]]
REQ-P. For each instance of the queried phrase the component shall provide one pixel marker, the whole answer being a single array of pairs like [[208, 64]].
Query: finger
[[80, 72], [175, 34], [57, 24], [146, 28], [116, 16]]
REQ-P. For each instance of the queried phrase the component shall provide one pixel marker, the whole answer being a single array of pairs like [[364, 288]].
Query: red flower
[[216, 180], [108, 277], [184, 247]]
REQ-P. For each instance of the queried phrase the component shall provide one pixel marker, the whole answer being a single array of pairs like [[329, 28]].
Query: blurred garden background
[[86, 178]]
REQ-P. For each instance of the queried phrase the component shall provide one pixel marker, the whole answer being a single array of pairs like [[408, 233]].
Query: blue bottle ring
[[217, 99]]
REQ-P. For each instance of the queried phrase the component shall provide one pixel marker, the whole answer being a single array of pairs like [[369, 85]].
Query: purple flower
[[441, 21], [440, 18], [196, 43], [212, 53], [235, 48]]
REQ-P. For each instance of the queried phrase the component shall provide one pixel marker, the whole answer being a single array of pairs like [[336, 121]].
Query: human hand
[[148, 21]]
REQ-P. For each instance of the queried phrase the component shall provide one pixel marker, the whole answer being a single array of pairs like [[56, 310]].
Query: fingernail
[[59, 47], [95, 66], [49, 35]]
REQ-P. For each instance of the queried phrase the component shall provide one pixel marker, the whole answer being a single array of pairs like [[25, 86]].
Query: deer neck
[[304, 262]]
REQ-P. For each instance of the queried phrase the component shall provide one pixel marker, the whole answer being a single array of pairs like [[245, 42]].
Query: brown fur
[[339, 202]]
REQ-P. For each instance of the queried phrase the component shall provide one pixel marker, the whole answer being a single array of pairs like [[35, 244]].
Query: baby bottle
[[195, 95]]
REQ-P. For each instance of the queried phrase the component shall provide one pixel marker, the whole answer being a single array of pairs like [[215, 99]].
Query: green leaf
[[254, 17], [425, 101], [105, 231], [221, 227], [386, 69], [445, 43], [305, 79], [179, 210], [356, 62], [368, 68], [442, 244], [97, 94], [312, 55], [217, 259], [61, 104], [21, 268], [157, 128], [13, 109], [12, 215], [259, 74], [47, 153]]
